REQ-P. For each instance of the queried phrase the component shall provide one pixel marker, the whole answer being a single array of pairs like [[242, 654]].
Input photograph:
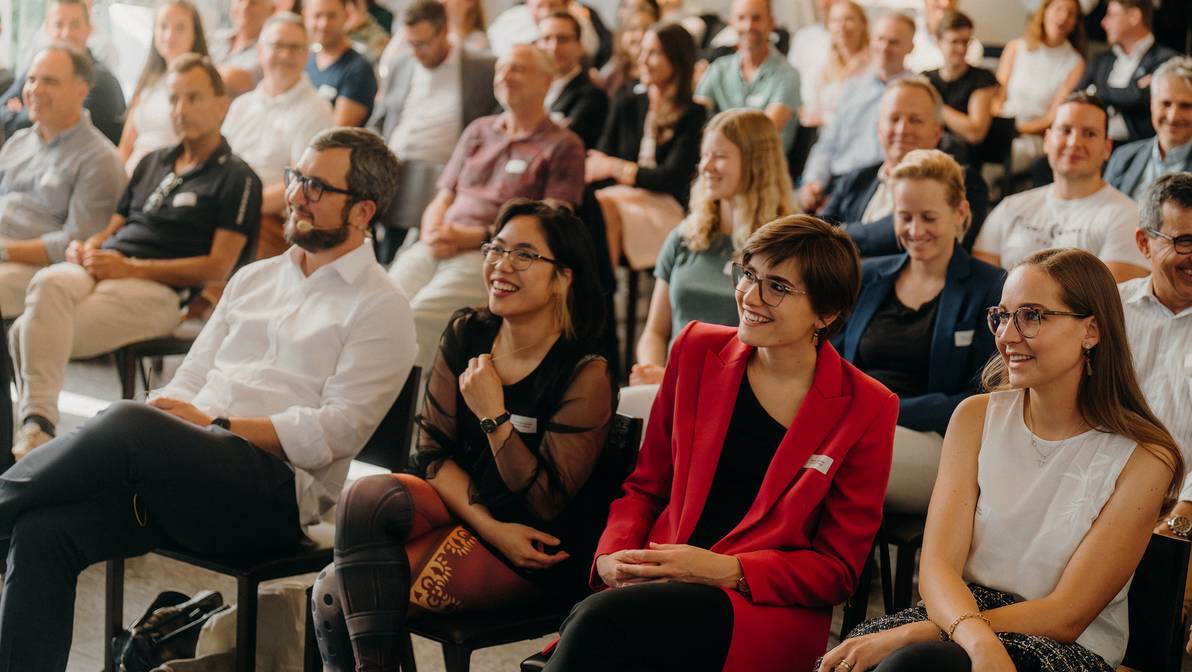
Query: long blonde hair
[[837, 67], [764, 193], [1036, 34]]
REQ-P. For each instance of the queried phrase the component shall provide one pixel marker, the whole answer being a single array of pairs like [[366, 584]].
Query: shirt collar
[[218, 157], [1139, 49], [289, 96], [1176, 156], [502, 124], [1142, 290], [70, 132], [349, 267]]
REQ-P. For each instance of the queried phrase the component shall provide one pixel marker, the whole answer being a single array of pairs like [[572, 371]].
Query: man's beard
[[317, 239]]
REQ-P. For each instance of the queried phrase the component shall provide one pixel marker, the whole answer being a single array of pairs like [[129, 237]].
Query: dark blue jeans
[[127, 481]]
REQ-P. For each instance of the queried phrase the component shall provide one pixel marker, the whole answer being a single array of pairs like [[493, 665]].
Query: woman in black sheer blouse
[[518, 404]]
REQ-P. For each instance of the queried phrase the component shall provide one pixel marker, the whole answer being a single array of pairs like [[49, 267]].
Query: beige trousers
[[14, 282], [436, 289], [70, 315], [912, 474]]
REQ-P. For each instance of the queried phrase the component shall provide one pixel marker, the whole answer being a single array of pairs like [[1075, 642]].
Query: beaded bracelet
[[964, 617]]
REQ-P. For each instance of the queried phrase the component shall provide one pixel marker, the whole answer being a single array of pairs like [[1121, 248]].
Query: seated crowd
[[959, 259]]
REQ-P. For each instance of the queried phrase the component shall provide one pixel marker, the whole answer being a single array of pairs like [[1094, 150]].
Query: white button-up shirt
[[323, 357], [1119, 77], [271, 132], [1161, 342]]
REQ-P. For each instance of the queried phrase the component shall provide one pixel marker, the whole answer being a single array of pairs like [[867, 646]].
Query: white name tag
[[559, 118], [821, 463], [963, 338], [756, 101], [523, 424], [186, 199], [329, 92], [515, 166]]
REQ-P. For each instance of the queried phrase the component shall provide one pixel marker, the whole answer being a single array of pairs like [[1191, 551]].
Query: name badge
[[186, 199], [728, 268], [329, 92], [756, 101], [515, 166], [523, 424], [963, 339], [559, 118], [821, 463]]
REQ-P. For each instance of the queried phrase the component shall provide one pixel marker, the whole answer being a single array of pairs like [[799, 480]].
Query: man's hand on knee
[[181, 409]]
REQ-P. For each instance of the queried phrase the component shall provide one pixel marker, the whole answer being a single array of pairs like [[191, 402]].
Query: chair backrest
[[796, 158], [637, 401], [1156, 604], [389, 446]]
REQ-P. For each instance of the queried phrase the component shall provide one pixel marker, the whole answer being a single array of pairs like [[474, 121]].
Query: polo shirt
[[220, 193], [271, 132], [351, 77], [774, 82]]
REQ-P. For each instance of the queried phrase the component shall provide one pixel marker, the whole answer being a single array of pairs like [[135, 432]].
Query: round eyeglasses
[[312, 187], [770, 291], [519, 259], [1027, 319]]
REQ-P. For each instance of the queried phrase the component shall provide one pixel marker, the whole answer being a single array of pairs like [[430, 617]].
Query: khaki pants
[[912, 473], [436, 289], [70, 315], [14, 282]]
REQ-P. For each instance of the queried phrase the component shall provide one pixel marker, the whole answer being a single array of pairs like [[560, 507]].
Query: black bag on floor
[[168, 630]]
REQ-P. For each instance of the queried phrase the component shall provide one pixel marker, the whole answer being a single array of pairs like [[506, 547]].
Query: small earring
[[816, 336], [1088, 360]]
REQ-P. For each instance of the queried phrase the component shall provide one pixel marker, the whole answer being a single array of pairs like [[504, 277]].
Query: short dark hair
[[1171, 188], [572, 247], [569, 18], [827, 258], [1086, 98], [431, 11], [80, 61], [192, 61], [952, 20], [75, 3], [1145, 7], [373, 170]]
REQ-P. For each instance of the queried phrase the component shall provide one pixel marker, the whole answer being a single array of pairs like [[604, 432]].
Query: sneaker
[[30, 436]]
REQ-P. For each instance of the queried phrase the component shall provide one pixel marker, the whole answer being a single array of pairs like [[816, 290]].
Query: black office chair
[[905, 533], [1156, 606], [393, 436]]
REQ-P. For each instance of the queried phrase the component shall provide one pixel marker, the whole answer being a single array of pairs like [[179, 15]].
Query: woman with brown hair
[[619, 74], [848, 27], [1048, 489], [649, 149]]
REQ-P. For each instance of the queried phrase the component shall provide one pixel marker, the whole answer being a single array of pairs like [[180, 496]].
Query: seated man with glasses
[[184, 220]]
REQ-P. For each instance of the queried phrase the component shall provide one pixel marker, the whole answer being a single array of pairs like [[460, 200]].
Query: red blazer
[[804, 541]]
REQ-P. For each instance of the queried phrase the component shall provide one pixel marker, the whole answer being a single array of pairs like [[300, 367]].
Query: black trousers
[[935, 656], [647, 627], [128, 480]]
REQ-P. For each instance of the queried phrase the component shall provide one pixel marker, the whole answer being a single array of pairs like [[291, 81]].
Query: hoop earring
[[1088, 360]]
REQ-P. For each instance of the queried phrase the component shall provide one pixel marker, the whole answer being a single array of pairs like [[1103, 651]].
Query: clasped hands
[[101, 264], [446, 240], [668, 562]]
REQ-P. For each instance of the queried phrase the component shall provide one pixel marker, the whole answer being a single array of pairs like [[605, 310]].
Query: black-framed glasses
[[1181, 244], [1027, 319], [771, 291], [312, 187], [520, 259], [164, 188]]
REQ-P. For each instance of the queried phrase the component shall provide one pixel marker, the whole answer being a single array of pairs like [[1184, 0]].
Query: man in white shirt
[[1078, 210], [271, 126], [573, 100], [251, 441]]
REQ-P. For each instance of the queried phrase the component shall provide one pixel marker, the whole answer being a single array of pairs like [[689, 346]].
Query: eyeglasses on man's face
[[520, 259], [770, 290], [312, 187], [1181, 244], [1027, 319]]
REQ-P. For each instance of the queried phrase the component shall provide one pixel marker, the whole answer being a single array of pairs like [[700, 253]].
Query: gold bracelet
[[964, 617]]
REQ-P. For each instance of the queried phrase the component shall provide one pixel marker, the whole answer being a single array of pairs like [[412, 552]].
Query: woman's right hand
[[990, 656], [521, 545], [606, 568], [868, 651], [645, 374]]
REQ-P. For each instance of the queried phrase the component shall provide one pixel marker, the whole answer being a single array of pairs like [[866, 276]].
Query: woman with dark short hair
[[758, 489], [518, 404]]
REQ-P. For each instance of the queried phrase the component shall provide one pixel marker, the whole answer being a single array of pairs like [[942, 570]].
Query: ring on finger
[[845, 665]]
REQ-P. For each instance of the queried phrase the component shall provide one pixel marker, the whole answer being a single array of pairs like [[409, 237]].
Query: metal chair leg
[[246, 625], [904, 575], [113, 608], [630, 318], [456, 658], [407, 655]]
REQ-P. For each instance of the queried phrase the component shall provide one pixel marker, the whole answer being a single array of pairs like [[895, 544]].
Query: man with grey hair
[[250, 443], [59, 180], [1133, 167], [519, 153], [910, 117]]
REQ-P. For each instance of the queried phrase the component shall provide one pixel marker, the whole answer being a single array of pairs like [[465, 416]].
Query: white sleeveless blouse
[[1032, 512]]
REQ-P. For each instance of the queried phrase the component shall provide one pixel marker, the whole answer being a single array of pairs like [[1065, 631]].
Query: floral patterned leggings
[[398, 553]]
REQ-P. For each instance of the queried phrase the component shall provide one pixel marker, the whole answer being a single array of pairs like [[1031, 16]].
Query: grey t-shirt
[[701, 284]]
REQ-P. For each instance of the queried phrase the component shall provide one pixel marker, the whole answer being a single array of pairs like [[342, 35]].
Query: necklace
[[1041, 457], [517, 350]]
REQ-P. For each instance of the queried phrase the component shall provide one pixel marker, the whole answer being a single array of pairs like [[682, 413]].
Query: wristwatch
[[489, 425], [222, 423], [1180, 526]]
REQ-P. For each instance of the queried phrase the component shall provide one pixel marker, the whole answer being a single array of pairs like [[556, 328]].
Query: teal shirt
[[775, 82], [700, 283]]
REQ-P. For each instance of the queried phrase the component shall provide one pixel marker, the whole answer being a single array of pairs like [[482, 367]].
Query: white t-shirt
[[1022, 224], [432, 117], [271, 132]]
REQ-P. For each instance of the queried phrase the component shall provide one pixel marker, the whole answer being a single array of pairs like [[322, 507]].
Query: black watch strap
[[222, 423], [490, 425]]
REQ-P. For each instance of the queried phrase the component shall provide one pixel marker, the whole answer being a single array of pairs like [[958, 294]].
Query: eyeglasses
[[1181, 244], [293, 47], [519, 259], [1027, 319], [158, 198], [312, 188], [771, 291]]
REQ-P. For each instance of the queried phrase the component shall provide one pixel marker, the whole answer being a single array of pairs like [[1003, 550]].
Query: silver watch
[[1180, 526]]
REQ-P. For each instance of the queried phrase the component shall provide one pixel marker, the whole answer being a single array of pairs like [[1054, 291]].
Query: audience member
[[967, 90], [518, 153], [812, 49], [674, 11], [340, 74], [1133, 167], [928, 53], [177, 30], [848, 143], [729, 546], [6, 74], [1029, 547], [235, 50], [70, 21], [574, 102], [620, 73], [755, 75], [364, 32], [1036, 73], [1078, 210], [919, 325], [649, 150], [271, 126], [465, 22], [251, 441], [518, 406], [519, 25], [847, 56], [59, 180], [743, 183], [910, 117], [186, 216], [1122, 76]]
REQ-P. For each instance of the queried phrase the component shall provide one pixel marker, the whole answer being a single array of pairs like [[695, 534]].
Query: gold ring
[[848, 667]]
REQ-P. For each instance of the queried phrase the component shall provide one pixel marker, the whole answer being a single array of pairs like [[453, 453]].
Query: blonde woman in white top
[[1047, 492], [848, 29]]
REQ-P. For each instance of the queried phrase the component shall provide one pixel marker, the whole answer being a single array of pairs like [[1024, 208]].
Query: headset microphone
[[306, 226]]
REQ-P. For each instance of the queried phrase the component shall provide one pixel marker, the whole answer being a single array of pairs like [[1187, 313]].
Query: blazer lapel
[[1136, 167], [867, 306], [947, 316]]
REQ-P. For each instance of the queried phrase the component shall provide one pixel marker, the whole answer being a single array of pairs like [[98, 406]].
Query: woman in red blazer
[[759, 486]]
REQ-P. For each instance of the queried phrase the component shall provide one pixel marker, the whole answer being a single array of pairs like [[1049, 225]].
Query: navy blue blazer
[[852, 192], [961, 343], [1128, 163]]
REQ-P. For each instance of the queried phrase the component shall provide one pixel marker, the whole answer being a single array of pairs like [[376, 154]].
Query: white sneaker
[[30, 436]]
